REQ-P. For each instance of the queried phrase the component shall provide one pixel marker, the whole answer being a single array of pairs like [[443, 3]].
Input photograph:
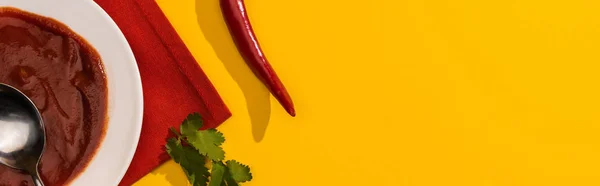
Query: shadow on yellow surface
[[167, 174], [257, 96]]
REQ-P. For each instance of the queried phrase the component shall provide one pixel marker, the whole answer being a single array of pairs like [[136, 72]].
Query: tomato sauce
[[64, 77]]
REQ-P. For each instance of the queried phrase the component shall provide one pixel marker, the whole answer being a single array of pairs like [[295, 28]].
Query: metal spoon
[[22, 134]]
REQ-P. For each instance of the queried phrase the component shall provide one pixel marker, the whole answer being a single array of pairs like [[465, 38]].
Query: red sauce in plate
[[64, 77]]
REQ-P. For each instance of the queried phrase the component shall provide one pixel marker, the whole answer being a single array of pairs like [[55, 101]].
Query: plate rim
[[139, 94]]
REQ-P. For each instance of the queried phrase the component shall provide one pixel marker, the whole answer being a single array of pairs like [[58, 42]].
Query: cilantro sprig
[[192, 148]]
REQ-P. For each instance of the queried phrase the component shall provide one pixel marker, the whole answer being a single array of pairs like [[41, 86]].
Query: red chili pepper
[[241, 30]]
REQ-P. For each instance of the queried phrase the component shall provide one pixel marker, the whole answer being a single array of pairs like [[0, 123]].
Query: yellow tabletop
[[407, 92]]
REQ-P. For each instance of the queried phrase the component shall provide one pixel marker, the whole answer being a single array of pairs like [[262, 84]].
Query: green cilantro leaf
[[217, 173], [191, 124], [229, 180], [189, 159], [203, 145], [175, 149], [239, 172], [207, 142]]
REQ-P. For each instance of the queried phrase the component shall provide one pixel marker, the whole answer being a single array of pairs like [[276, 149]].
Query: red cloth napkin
[[174, 85]]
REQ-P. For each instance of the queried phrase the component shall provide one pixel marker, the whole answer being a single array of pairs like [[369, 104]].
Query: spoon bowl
[[22, 133]]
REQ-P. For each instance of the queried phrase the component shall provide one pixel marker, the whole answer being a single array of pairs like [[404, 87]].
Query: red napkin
[[174, 85]]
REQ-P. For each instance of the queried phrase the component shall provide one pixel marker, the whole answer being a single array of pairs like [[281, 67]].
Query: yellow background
[[408, 92]]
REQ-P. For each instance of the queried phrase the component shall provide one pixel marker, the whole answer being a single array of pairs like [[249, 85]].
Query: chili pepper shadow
[[217, 34]]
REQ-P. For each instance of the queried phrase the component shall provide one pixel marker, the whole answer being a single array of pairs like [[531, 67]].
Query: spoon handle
[[37, 181]]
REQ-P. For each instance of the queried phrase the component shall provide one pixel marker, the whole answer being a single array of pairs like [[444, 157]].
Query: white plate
[[125, 102]]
